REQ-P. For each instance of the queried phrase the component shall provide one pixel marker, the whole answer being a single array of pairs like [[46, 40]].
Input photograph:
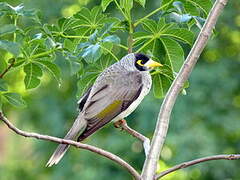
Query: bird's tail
[[77, 128]]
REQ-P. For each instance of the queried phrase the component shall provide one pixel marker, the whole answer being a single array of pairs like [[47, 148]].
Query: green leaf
[[141, 2], [164, 2], [180, 34], [50, 44], [93, 37], [3, 65], [74, 66], [85, 82], [105, 4], [150, 25], [105, 29], [85, 21], [205, 5], [7, 29], [179, 6], [127, 5], [181, 18], [161, 85], [11, 47], [14, 99], [1, 100], [33, 73], [5, 8], [174, 53], [191, 9], [52, 68], [113, 39], [3, 85], [69, 45], [92, 53]]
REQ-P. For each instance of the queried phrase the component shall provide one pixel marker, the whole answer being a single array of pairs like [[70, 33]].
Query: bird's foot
[[123, 125], [119, 124]]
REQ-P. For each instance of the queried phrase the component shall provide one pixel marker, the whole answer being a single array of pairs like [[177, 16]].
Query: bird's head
[[144, 63]]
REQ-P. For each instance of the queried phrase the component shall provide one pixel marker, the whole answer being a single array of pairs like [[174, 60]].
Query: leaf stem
[[153, 12], [146, 44], [118, 6], [42, 54], [74, 37], [110, 52], [122, 46], [15, 19]]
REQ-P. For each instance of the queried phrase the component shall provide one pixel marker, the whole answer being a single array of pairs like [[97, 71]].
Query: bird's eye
[[140, 62]]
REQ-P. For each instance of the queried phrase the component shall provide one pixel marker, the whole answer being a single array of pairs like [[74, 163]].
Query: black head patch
[[140, 61]]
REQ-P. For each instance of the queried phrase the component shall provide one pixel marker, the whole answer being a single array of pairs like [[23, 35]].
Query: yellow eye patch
[[140, 62]]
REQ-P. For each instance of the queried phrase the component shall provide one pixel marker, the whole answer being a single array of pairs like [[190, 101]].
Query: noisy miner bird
[[116, 93]]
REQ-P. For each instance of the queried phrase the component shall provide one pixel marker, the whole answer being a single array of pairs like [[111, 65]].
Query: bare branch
[[94, 149], [146, 142], [196, 161], [150, 164]]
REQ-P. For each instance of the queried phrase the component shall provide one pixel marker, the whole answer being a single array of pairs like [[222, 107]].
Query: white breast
[[145, 90]]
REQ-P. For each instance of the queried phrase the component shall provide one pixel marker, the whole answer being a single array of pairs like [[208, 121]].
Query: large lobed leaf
[[174, 53], [52, 68], [12, 47], [33, 73]]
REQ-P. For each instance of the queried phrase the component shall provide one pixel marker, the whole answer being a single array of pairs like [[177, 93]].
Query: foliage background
[[205, 121]]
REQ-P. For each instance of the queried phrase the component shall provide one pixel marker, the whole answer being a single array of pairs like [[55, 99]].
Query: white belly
[[132, 107]]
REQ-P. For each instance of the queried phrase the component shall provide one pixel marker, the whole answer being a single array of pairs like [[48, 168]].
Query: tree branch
[[94, 149], [146, 142], [7, 69], [150, 164], [196, 161]]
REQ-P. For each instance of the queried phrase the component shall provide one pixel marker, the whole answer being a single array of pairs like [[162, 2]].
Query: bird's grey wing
[[109, 99], [83, 99]]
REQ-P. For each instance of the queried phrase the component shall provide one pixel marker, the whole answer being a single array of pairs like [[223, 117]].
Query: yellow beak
[[153, 64]]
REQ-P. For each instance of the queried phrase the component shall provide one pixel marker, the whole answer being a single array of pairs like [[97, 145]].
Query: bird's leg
[[123, 125]]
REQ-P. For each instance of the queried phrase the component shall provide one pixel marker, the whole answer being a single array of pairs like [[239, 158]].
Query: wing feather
[[110, 99]]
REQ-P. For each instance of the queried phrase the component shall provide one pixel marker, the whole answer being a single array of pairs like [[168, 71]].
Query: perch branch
[[150, 164], [94, 149], [146, 142], [196, 161]]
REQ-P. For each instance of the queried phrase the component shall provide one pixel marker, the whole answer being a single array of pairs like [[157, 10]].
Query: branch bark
[[94, 149], [150, 164], [197, 161]]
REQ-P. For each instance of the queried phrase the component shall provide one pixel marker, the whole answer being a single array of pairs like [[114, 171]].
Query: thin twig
[[146, 142], [151, 161], [94, 149], [7, 69], [196, 161]]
